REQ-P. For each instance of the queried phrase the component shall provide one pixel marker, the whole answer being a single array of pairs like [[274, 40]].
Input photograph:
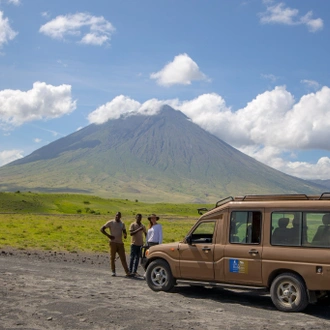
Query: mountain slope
[[164, 157]]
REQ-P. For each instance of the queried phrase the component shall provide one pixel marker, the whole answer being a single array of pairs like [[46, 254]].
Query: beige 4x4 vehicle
[[277, 242]]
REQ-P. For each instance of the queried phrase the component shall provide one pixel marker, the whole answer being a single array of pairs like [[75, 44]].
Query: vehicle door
[[196, 253], [243, 250]]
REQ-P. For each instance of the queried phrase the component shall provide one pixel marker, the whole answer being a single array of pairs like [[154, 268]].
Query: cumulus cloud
[[8, 156], [123, 105], [270, 128], [272, 156], [280, 14], [6, 32], [41, 102], [182, 70], [99, 30]]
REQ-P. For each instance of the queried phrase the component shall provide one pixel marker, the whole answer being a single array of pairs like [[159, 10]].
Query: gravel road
[[48, 290]]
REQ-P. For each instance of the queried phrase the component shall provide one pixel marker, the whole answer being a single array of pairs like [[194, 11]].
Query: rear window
[[301, 229]]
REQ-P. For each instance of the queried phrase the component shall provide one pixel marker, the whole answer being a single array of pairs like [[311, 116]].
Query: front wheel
[[159, 276], [288, 293]]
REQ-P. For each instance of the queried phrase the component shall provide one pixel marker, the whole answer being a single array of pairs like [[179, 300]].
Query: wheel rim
[[288, 293], [158, 276]]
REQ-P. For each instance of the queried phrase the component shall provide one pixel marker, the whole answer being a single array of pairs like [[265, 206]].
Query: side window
[[286, 228], [318, 229], [203, 233], [245, 227], [301, 229]]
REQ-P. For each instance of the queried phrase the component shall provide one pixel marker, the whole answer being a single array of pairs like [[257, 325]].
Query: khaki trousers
[[118, 248]]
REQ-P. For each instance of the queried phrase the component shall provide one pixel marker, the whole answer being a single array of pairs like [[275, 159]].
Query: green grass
[[27, 202], [51, 221], [72, 232]]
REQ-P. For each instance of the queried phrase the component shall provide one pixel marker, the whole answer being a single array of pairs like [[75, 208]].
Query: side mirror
[[188, 240]]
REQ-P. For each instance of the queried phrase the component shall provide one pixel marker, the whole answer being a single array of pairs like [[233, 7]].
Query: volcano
[[156, 158]]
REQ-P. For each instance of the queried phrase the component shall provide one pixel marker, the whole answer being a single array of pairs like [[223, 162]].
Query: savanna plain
[[54, 273]]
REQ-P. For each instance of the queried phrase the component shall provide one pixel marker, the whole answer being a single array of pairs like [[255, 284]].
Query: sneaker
[[129, 274], [113, 274]]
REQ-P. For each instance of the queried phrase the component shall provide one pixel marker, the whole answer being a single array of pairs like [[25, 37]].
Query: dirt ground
[[48, 290]]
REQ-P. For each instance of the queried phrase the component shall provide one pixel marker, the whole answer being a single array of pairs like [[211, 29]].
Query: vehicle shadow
[[253, 298]]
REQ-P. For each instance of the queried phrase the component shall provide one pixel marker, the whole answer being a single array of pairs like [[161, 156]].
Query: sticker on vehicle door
[[238, 266]]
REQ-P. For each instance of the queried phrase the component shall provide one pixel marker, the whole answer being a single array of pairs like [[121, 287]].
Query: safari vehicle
[[280, 243]]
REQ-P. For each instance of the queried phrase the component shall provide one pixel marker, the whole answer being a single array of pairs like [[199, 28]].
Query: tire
[[159, 276], [288, 293]]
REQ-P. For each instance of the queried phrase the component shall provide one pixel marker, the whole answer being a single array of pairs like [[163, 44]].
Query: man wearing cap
[[117, 229], [155, 232]]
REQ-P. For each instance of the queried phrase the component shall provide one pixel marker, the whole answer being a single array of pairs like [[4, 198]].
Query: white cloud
[[270, 127], [6, 32], [312, 24], [14, 2], [270, 77], [280, 14], [183, 70], [45, 14], [60, 62], [37, 140], [8, 156], [41, 102], [272, 157], [99, 30], [311, 83], [123, 105]]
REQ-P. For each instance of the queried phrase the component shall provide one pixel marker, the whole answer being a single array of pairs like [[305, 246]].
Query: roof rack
[[224, 200], [276, 197], [325, 197]]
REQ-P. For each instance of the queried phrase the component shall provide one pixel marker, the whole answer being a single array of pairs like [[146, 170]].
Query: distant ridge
[[164, 157]]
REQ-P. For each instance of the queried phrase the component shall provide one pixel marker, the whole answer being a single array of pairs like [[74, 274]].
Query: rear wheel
[[288, 293], [159, 276]]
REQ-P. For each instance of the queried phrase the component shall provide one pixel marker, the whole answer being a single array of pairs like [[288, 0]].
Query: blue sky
[[255, 73]]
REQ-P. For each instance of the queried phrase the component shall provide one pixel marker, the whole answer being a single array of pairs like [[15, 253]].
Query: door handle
[[206, 248], [253, 251]]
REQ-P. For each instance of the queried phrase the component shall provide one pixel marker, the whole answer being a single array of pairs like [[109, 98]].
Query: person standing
[[117, 231], [155, 231], [136, 230]]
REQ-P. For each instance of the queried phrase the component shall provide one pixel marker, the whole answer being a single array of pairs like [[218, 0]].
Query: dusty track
[[44, 290]]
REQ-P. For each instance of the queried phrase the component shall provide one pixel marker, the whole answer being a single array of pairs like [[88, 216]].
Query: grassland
[[72, 222]]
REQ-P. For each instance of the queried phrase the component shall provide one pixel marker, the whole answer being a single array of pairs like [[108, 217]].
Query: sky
[[255, 73]]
